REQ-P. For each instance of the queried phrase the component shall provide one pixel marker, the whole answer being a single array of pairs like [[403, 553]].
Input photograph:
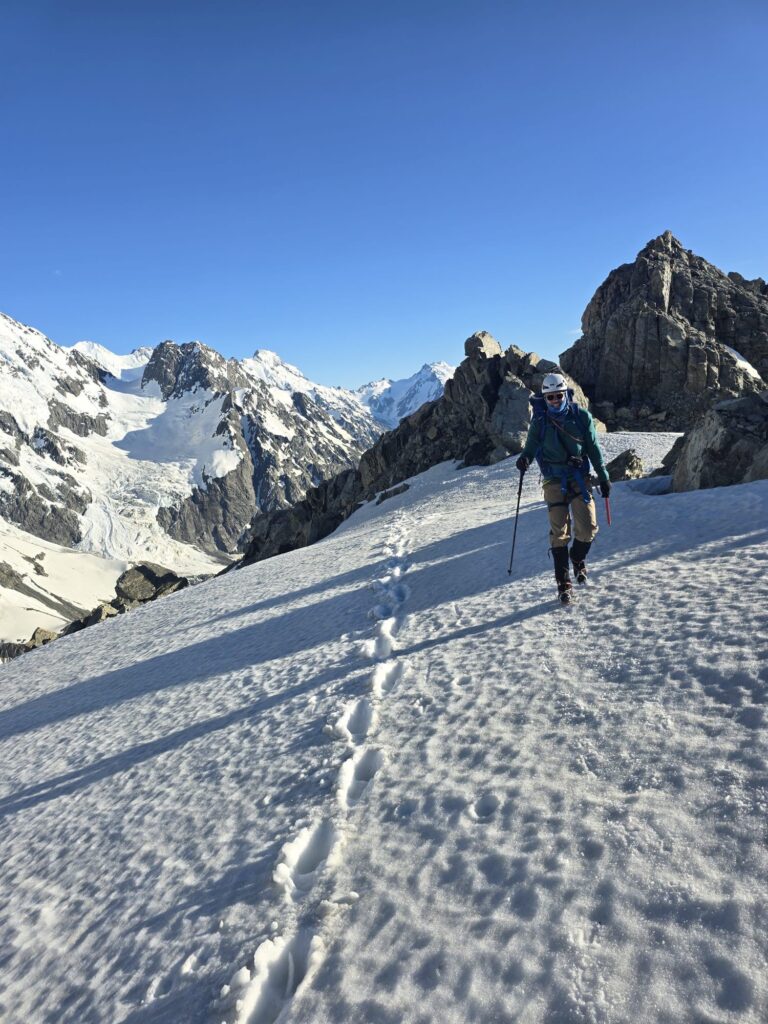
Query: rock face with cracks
[[667, 336], [481, 418], [729, 446]]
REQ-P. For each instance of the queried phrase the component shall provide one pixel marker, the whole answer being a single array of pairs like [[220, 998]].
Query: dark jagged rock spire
[[668, 335]]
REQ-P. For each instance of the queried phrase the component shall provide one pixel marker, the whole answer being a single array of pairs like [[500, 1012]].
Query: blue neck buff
[[558, 410]]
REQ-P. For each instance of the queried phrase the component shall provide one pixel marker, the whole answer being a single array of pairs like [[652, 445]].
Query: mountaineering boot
[[560, 558], [579, 552]]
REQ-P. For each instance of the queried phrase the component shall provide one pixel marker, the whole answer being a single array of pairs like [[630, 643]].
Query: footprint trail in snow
[[259, 995]]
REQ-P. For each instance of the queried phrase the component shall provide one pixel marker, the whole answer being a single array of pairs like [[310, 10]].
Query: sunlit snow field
[[379, 780]]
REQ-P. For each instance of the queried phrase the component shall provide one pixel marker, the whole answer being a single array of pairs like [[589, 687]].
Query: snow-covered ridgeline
[[122, 367], [391, 401], [474, 806]]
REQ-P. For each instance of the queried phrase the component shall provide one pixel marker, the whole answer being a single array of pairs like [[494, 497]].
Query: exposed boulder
[[146, 581], [98, 614], [626, 466], [41, 637], [667, 336], [141, 583], [729, 446]]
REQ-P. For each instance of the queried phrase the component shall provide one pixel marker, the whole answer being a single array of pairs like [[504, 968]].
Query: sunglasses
[[555, 396]]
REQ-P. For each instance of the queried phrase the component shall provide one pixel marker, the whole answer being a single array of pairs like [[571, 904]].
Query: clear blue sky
[[360, 185]]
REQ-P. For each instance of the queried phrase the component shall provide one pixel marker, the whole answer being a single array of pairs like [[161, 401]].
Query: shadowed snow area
[[378, 780]]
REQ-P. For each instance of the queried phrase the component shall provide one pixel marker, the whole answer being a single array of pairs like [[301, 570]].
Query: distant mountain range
[[391, 401], [165, 454], [181, 457]]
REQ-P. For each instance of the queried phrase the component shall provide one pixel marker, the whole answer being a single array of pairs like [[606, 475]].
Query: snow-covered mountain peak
[[267, 366], [391, 401], [272, 359], [122, 367], [164, 455], [443, 371]]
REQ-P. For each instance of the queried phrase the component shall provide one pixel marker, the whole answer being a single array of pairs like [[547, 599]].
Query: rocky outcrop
[[669, 462], [50, 515], [9, 651], [392, 493], [729, 446], [285, 448], [667, 336], [482, 417], [79, 423], [51, 509], [626, 466], [215, 516], [143, 582], [178, 369], [146, 581]]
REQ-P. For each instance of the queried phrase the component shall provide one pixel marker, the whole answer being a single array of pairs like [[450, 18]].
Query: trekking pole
[[608, 510], [517, 513]]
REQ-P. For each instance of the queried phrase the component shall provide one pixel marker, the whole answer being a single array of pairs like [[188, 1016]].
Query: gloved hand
[[523, 463], [605, 488]]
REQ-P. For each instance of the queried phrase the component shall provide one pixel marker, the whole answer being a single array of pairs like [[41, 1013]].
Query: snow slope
[[378, 780], [54, 581]]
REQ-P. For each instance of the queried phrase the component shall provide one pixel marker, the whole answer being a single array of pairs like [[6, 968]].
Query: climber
[[562, 439]]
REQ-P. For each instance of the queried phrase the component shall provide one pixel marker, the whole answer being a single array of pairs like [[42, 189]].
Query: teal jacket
[[574, 434]]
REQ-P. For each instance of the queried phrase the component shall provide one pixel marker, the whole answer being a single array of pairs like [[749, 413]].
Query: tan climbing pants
[[560, 511]]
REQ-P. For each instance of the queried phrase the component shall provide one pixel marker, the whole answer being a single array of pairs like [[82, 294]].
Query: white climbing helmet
[[553, 382]]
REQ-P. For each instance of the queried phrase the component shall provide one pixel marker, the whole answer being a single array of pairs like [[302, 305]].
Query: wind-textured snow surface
[[379, 780]]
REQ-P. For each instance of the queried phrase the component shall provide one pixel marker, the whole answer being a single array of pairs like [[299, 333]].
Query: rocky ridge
[[668, 335], [481, 418]]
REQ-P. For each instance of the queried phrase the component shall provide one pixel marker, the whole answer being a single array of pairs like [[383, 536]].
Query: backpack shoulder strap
[[539, 407]]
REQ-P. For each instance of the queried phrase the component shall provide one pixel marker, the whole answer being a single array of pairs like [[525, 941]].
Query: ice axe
[[608, 510]]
